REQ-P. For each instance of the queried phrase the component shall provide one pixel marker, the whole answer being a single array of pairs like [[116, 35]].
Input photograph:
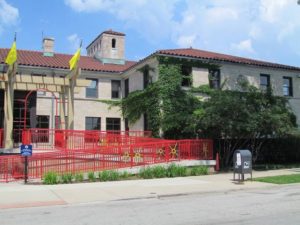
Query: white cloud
[[271, 10], [89, 5], [9, 15], [229, 26], [186, 41], [221, 14], [245, 45], [151, 20], [255, 32], [74, 41]]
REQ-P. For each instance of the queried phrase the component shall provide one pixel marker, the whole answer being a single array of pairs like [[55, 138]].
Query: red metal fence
[[81, 151]]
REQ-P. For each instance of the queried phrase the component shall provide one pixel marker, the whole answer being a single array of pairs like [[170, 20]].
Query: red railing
[[83, 151], [50, 139]]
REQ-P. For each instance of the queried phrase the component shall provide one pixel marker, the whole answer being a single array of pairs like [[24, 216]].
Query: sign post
[[26, 150]]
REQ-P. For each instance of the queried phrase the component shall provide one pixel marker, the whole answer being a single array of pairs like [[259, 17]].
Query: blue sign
[[26, 150]]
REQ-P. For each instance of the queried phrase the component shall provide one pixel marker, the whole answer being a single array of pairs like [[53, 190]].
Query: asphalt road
[[278, 205]]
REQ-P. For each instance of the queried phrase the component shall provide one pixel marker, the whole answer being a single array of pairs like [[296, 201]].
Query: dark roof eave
[[225, 60], [139, 62], [67, 68]]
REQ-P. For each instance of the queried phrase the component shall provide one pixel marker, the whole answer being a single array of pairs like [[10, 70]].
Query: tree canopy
[[244, 119]]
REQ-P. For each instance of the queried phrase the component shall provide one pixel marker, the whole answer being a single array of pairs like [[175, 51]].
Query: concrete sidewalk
[[18, 195]]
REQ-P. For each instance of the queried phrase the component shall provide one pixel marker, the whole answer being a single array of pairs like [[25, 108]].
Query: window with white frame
[[115, 88], [92, 89], [287, 86]]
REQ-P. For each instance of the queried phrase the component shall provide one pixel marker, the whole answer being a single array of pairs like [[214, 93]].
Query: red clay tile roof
[[61, 61], [206, 55]]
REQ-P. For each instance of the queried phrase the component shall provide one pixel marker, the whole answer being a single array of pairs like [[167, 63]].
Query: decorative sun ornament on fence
[[137, 157], [102, 141], [160, 152], [173, 151], [126, 157]]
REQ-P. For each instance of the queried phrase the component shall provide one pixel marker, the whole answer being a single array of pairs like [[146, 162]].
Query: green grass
[[267, 166], [283, 179]]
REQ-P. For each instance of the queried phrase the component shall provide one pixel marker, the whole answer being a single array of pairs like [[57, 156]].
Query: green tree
[[242, 119]]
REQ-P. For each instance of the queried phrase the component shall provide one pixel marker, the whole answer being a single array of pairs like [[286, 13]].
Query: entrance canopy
[[34, 82]]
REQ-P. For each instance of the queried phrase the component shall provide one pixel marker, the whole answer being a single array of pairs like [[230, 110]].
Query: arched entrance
[[26, 103]]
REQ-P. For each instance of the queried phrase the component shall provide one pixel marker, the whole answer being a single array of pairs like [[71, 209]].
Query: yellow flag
[[74, 60], [12, 54]]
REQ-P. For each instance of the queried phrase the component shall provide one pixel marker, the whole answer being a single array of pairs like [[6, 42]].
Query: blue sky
[[261, 29]]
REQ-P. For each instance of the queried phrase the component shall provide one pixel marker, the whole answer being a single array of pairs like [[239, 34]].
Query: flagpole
[[11, 60], [75, 71]]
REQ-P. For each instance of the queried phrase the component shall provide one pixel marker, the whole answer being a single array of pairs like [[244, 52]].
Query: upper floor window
[[113, 43], [126, 84], [92, 90], [186, 72], [214, 78], [287, 86], [146, 77], [264, 81], [115, 88]]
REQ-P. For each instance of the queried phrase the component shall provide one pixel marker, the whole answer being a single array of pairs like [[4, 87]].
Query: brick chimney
[[48, 46]]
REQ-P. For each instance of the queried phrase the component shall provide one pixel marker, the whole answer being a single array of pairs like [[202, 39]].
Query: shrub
[[199, 170], [104, 175], [113, 175], [70, 177], [50, 178], [79, 177], [124, 175], [181, 171], [172, 170], [146, 173], [66, 178], [159, 171], [176, 171], [91, 176]]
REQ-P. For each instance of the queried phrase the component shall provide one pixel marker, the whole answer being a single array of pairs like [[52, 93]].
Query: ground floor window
[[146, 123], [42, 121], [113, 124], [126, 124], [92, 123]]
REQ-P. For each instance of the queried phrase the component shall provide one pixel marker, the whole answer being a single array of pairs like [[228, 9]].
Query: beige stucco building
[[284, 79], [112, 77]]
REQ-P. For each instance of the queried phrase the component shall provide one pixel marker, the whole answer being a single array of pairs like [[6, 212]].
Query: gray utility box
[[242, 163]]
